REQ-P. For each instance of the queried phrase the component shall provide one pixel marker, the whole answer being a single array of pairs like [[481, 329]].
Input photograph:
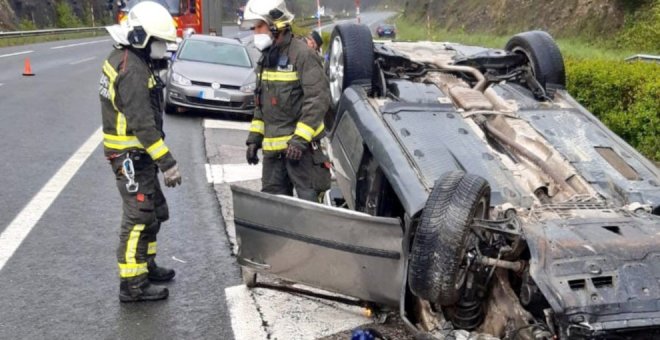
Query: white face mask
[[158, 49], [262, 41]]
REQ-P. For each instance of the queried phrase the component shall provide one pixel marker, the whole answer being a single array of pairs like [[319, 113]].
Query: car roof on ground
[[214, 38]]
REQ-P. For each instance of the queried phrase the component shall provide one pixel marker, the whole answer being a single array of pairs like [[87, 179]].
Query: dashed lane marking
[[1, 84], [223, 124], [79, 44], [230, 173], [15, 54], [23, 223], [82, 61]]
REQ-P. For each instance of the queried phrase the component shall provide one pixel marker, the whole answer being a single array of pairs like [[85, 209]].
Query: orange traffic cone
[[27, 71]]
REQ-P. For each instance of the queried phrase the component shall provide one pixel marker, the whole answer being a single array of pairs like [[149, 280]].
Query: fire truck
[[190, 16]]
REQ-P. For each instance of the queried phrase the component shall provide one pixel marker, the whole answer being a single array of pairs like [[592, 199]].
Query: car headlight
[[181, 80], [249, 88]]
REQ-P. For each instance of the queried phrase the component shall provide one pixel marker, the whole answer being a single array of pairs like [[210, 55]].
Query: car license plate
[[216, 95], [221, 96]]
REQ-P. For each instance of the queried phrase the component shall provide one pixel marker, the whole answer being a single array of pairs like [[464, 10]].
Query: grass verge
[[572, 48], [6, 42], [623, 95]]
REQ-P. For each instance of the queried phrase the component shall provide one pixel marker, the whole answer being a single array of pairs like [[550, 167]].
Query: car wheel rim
[[481, 212], [336, 70], [522, 51]]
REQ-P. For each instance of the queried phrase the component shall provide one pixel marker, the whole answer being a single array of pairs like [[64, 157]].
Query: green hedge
[[625, 96]]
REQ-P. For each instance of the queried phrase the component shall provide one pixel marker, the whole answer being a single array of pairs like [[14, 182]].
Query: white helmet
[[272, 12], [147, 20]]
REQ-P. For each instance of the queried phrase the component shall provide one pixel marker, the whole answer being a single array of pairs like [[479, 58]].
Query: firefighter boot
[[136, 290], [159, 274]]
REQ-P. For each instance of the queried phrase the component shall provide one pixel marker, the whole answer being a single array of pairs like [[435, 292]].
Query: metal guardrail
[[55, 31], [644, 57], [307, 22]]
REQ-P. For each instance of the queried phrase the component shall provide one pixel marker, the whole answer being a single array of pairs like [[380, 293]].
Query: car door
[[331, 248], [346, 149]]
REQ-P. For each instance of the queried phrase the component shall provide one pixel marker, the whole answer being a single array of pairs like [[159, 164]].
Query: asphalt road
[[60, 280]]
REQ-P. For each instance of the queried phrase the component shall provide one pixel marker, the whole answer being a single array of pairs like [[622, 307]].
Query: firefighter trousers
[[143, 212], [310, 176]]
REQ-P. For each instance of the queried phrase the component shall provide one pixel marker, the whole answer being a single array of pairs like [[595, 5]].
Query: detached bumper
[[600, 275]]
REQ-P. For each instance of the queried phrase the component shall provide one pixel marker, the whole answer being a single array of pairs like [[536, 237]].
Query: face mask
[[262, 41], [158, 49]]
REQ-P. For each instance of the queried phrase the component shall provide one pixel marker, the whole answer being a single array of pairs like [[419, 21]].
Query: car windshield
[[171, 5], [215, 52]]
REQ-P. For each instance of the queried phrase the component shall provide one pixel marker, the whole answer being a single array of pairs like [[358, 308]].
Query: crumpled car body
[[568, 245]]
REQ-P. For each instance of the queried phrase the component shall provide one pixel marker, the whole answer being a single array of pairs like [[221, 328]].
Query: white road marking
[[289, 316], [79, 44], [1, 84], [298, 317], [230, 173], [245, 319], [14, 54], [82, 61], [223, 124], [209, 173], [22, 224]]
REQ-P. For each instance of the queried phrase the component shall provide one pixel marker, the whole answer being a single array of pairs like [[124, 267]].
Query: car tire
[[437, 261], [351, 58], [544, 56], [170, 109]]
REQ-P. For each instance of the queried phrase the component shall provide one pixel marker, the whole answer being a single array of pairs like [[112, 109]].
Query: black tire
[[424, 268], [249, 277], [544, 56], [443, 236], [356, 58], [170, 109]]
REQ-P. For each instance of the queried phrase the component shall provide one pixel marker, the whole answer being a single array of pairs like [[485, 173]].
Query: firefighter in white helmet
[[292, 97], [131, 97]]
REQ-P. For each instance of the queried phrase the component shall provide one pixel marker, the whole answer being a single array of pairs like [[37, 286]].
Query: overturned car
[[474, 193]]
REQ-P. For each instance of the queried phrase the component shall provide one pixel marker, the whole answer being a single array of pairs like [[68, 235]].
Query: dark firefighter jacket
[[130, 105], [292, 97]]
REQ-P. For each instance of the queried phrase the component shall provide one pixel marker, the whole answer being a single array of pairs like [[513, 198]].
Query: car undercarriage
[[505, 207]]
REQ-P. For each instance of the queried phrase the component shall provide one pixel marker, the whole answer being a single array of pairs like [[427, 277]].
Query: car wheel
[[351, 58], [170, 109], [249, 277], [543, 55], [438, 264]]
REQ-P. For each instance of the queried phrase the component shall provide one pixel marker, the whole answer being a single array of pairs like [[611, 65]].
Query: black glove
[[251, 154], [294, 152]]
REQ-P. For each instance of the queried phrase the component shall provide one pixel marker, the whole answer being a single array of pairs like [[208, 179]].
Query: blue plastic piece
[[360, 334]]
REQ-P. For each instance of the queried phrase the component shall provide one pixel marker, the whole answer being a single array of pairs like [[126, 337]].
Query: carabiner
[[129, 171]]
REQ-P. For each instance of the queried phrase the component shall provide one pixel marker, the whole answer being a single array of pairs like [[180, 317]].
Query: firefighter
[[292, 97], [314, 41], [131, 97]]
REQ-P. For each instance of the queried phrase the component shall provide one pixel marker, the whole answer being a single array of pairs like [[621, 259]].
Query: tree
[[65, 16]]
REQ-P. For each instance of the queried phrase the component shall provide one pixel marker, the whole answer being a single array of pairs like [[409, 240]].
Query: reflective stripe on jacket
[[292, 97], [131, 109]]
